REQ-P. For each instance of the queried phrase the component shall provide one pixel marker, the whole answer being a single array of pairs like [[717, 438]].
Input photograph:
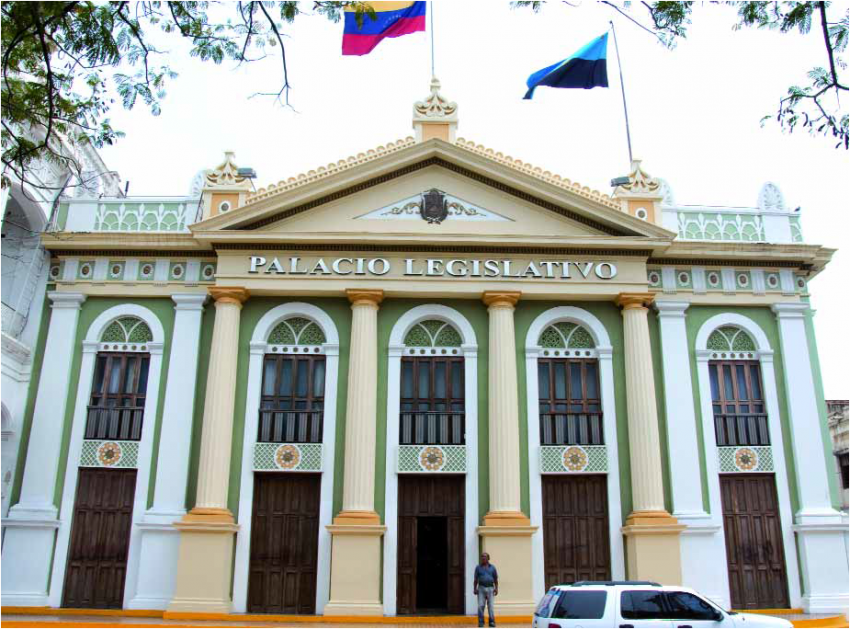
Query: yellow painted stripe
[[57, 611], [827, 623], [778, 610], [383, 6], [82, 623]]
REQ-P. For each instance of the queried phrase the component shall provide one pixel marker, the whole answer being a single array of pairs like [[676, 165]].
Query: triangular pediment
[[381, 194]]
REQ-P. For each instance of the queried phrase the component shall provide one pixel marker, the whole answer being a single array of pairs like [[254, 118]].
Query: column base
[[653, 547], [357, 518], [355, 568], [509, 546], [823, 564], [27, 561], [205, 562]]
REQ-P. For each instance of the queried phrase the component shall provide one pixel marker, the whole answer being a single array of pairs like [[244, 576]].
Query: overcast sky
[[694, 111]]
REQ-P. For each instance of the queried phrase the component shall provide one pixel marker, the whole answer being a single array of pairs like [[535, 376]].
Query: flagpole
[[623, 88], [431, 13]]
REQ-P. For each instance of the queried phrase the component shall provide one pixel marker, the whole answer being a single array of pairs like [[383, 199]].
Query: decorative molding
[[573, 459], [225, 176], [431, 459], [458, 209], [288, 457], [435, 108], [737, 459], [640, 183]]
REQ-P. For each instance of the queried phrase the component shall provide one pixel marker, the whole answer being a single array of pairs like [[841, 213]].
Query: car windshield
[[718, 605]]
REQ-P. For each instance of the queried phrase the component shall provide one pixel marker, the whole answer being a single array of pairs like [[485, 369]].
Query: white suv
[[637, 604]]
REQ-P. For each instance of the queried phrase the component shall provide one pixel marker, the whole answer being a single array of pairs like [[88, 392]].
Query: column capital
[[790, 311], [364, 296], [667, 308], [229, 294], [630, 301], [189, 301], [493, 298], [72, 301]]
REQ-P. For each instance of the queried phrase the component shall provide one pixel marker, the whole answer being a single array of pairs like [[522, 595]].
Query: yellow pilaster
[[652, 534], [205, 561]]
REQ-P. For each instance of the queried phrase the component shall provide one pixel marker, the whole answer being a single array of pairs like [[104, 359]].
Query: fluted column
[[653, 547], [358, 494], [214, 467], [503, 411], [644, 443], [205, 559], [357, 530]]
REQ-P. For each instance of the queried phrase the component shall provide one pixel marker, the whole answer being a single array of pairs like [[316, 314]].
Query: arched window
[[570, 406], [737, 397], [293, 390], [119, 388], [432, 386]]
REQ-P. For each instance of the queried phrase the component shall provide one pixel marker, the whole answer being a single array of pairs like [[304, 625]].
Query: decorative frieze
[[736, 459], [573, 459], [109, 453], [288, 457], [416, 459], [159, 271], [729, 281]]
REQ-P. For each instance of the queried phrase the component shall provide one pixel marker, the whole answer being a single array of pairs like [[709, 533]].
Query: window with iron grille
[[737, 400], [293, 399], [117, 404], [569, 402], [432, 401]]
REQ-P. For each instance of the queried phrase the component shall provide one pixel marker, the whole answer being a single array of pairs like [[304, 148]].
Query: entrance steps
[[137, 618]]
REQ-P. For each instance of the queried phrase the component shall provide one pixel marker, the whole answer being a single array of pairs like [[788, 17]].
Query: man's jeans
[[485, 594]]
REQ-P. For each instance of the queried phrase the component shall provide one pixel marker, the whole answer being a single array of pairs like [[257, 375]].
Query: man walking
[[486, 586]]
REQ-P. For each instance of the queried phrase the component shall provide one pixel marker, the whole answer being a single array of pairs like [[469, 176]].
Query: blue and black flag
[[585, 69]]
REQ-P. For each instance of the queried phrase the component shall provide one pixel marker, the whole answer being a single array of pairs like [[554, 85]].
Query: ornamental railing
[[584, 429], [122, 423], [742, 430], [290, 426], [731, 224], [129, 215], [432, 428]]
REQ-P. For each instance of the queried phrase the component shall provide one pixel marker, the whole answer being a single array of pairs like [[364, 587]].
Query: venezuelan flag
[[392, 19]]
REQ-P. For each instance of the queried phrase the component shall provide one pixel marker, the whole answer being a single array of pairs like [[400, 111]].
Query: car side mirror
[[718, 615]]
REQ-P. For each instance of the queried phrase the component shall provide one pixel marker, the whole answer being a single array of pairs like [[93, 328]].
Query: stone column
[[32, 523], [357, 530], [204, 565], [820, 529], [506, 532], [652, 534], [160, 544]]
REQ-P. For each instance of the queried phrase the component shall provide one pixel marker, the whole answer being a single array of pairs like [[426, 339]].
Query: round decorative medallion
[[801, 283], [109, 453], [116, 270], [85, 270], [743, 279], [746, 459], [147, 270], [208, 272], [772, 281], [684, 278], [713, 279], [654, 278], [432, 459], [287, 457], [54, 272], [177, 271], [575, 459]]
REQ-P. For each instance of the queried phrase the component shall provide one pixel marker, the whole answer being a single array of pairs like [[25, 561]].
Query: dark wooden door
[[575, 529], [100, 539], [755, 553], [428, 505], [284, 543]]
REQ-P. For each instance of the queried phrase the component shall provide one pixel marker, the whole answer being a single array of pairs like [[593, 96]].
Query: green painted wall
[[696, 316], [609, 315], [339, 310], [476, 312], [823, 422], [207, 323], [91, 309]]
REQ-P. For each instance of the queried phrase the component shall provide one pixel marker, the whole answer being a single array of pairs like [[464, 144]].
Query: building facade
[[329, 395], [838, 413]]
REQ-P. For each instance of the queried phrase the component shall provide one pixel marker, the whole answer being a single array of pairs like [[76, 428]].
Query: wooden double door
[[755, 554], [576, 542], [100, 539], [431, 548], [284, 543]]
